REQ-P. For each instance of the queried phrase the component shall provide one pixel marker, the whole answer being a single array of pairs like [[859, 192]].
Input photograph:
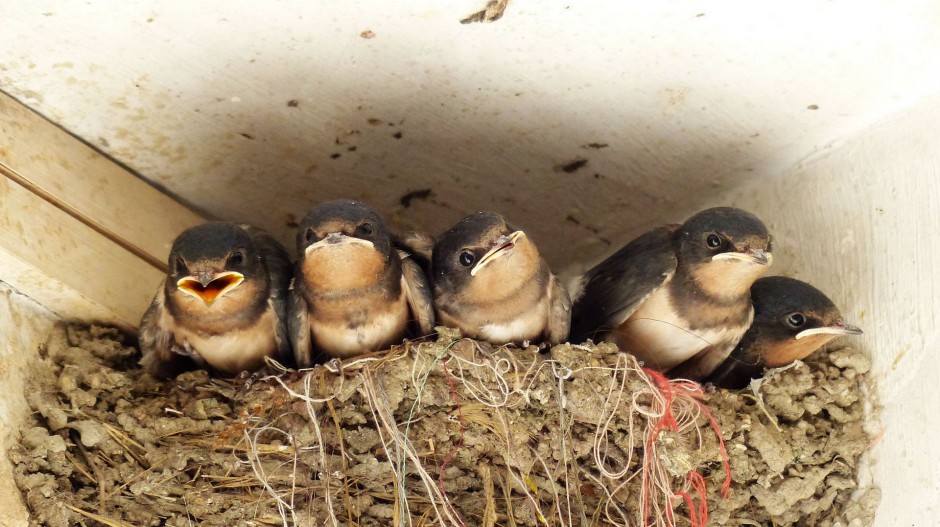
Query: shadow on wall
[[581, 177]]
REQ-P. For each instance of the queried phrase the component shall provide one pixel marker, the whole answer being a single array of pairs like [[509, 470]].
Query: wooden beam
[[88, 185], [79, 233]]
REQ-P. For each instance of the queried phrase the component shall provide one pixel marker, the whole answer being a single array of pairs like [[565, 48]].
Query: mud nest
[[448, 432]]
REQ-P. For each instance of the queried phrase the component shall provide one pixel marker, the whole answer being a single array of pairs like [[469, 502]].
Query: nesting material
[[448, 432]]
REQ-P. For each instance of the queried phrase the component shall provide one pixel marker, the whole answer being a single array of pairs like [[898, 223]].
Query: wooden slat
[[88, 186], [66, 265], [79, 233]]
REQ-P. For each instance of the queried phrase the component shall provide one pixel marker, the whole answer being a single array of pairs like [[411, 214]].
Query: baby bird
[[223, 304], [679, 294], [792, 319], [353, 291], [490, 282]]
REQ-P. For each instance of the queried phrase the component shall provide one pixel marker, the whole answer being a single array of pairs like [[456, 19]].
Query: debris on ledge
[[449, 432]]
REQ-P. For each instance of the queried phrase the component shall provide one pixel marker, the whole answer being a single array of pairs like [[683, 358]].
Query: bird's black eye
[[796, 320], [237, 258], [309, 235], [179, 265], [364, 230], [713, 241], [467, 258]]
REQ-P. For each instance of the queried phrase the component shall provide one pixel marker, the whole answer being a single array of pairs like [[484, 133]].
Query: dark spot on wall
[[491, 13], [405, 200], [335, 155], [293, 103], [373, 121], [397, 135], [247, 136], [812, 107], [596, 146], [291, 221], [572, 166]]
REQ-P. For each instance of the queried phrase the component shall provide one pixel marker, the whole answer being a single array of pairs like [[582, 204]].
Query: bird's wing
[[699, 366], [418, 245], [745, 363], [611, 291], [559, 316], [156, 341], [280, 271], [418, 291], [703, 363], [298, 326]]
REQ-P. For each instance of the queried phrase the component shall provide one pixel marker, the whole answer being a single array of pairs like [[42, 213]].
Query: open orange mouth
[[221, 284]]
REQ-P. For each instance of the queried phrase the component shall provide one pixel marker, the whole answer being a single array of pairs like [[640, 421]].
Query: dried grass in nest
[[452, 432]]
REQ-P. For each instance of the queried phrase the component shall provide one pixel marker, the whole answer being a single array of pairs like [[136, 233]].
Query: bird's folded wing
[[298, 325], [280, 270], [559, 316], [416, 286], [610, 292]]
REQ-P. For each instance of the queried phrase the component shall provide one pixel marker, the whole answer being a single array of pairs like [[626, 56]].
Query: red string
[[698, 516], [725, 461]]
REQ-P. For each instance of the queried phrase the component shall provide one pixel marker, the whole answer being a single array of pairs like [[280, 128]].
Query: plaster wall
[[861, 221], [256, 112], [25, 326]]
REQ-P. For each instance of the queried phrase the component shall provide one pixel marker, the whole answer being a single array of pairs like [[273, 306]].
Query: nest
[[451, 432]]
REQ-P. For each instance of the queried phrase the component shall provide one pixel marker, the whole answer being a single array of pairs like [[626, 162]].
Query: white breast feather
[[527, 327], [659, 338], [236, 351], [342, 341]]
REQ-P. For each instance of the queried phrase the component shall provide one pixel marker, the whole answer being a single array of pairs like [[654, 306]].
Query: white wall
[[861, 220], [24, 327], [694, 98]]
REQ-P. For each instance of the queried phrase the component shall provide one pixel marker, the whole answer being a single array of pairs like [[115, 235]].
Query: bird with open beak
[[223, 304], [490, 282], [353, 291], [679, 294], [792, 319]]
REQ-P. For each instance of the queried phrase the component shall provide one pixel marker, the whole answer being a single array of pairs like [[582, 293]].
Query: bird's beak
[[335, 239], [502, 246], [839, 328], [757, 256], [208, 286]]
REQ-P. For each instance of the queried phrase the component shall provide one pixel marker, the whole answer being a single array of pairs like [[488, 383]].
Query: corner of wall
[[25, 326]]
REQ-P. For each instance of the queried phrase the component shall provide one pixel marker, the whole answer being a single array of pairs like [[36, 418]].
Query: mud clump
[[451, 432]]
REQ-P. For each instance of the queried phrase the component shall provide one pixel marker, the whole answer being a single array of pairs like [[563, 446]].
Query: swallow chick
[[792, 319], [353, 291], [223, 304], [679, 294], [490, 282]]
